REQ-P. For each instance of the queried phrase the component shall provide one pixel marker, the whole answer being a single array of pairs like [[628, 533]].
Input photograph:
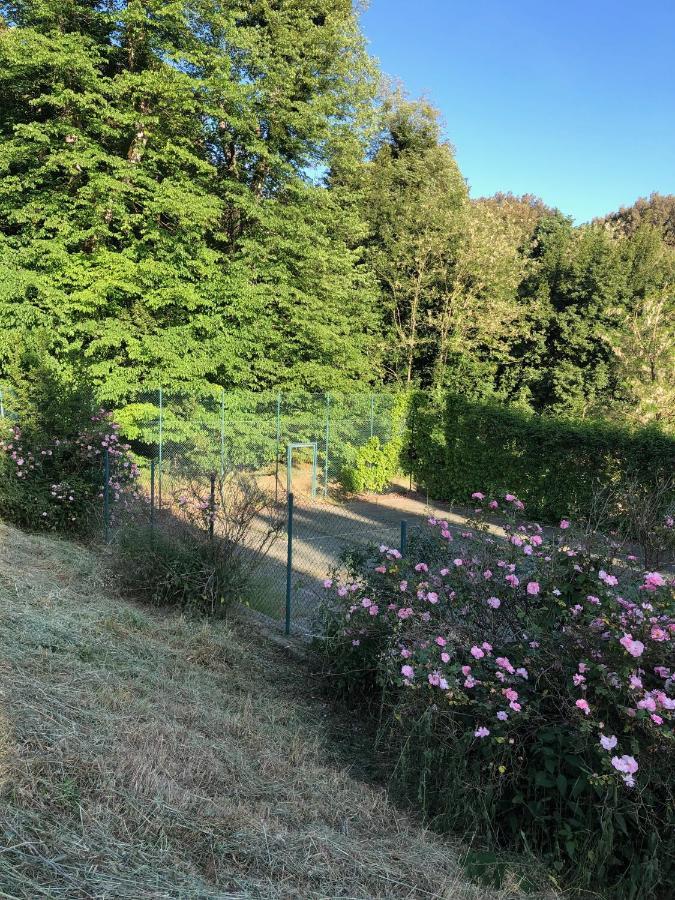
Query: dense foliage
[[52, 460], [202, 193], [524, 691], [558, 465]]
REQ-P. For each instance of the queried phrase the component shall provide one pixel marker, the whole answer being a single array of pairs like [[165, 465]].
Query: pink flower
[[494, 602], [658, 634], [502, 716], [434, 679], [509, 498], [583, 706], [527, 550], [374, 609], [481, 732], [328, 583], [608, 743], [510, 694], [657, 720], [533, 588], [445, 657], [403, 586], [516, 707], [421, 567], [441, 641], [564, 523], [578, 679], [356, 643], [458, 562], [486, 646], [366, 602], [635, 648], [381, 569], [476, 652], [407, 671], [626, 764], [405, 613], [513, 580], [493, 504], [653, 580], [477, 496], [536, 540], [432, 597], [487, 574], [503, 663]]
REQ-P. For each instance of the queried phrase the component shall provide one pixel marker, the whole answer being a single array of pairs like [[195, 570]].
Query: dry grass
[[144, 756]]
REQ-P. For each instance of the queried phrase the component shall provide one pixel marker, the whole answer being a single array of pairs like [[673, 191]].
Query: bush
[[202, 554], [525, 689], [370, 467], [555, 465], [52, 457]]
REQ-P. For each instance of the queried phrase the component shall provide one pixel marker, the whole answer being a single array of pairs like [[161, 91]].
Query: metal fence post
[[276, 469], [161, 444], [2, 405], [212, 505], [152, 496], [222, 432], [404, 537], [106, 494], [325, 466], [372, 415], [289, 564]]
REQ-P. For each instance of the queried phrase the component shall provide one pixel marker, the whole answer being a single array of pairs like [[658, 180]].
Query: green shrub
[[202, 553], [370, 467], [557, 466], [524, 692], [52, 455]]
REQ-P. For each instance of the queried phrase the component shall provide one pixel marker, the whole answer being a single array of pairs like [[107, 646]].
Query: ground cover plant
[[145, 757], [523, 683]]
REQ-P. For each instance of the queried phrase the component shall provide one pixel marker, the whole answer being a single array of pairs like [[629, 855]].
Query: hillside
[[143, 756]]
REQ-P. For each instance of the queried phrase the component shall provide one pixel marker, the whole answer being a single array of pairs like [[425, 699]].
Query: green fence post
[[372, 415], [325, 466], [152, 496], [222, 432], [106, 494], [212, 505], [404, 537], [289, 564], [2, 406], [161, 444], [276, 469]]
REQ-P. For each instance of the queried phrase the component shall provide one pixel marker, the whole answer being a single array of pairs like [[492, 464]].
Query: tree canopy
[[223, 192]]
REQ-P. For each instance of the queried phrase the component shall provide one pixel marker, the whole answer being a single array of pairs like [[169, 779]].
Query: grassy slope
[[145, 756]]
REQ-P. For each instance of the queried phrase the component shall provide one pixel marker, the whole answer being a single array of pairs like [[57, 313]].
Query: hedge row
[[556, 466]]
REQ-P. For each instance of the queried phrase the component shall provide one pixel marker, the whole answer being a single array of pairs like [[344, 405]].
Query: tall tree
[[159, 213], [413, 195]]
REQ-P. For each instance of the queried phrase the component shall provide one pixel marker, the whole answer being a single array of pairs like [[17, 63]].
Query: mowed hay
[[143, 755]]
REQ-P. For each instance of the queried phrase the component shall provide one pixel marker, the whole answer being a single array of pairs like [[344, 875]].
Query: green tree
[[160, 216], [413, 196]]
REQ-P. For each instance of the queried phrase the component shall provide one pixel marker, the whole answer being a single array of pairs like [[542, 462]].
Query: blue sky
[[573, 101]]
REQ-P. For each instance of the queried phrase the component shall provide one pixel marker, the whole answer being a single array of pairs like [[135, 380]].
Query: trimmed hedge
[[554, 465]]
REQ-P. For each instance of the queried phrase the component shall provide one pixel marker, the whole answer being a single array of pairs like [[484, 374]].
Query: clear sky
[[572, 100]]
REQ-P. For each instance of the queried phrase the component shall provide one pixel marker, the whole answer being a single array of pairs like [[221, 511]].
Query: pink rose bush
[[546, 687], [56, 483]]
